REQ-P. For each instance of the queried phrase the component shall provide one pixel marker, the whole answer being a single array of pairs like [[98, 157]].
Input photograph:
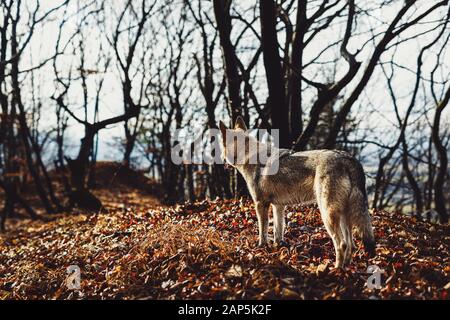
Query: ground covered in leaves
[[204, 250]]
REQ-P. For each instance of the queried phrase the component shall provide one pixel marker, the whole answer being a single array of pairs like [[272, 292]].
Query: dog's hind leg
[[278, 223], [331, 216], [346, 230], [332, 223], [262, 212]]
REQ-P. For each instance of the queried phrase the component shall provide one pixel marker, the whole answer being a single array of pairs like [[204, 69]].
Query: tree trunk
[[412, 180], [129, 146], [23, 127], [80, 195], [223, 19], [190, 181], [274, 72], [439, 197], [12, 197], [294, 94]]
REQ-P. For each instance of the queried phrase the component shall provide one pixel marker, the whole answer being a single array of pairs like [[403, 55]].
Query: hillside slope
[[207, 250]]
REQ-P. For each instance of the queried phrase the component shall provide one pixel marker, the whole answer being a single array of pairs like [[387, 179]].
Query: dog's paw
[[281, 244], [262, 245]]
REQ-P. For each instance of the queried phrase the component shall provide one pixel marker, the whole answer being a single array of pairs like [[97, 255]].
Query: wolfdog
[[333, 179]]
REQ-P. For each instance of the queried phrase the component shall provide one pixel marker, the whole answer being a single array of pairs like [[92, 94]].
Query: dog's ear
[[240, 124], [223, 129]]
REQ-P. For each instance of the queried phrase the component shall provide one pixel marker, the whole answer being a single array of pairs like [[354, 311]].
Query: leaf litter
[[207, 250]]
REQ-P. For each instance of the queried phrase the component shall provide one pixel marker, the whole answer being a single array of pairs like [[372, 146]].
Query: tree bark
[[294, 94], [223, 19], [279, 111], [13, 197], [411, 179], [439, 197], [23, 127]]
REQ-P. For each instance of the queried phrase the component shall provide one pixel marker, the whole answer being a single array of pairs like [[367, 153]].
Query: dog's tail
[[364, 222], [365, 229]]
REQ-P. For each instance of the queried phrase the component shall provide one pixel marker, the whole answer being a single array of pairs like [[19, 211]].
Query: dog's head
[[241, 149], [235, 142]]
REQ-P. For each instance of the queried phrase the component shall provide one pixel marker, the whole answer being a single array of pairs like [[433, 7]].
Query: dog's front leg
[[262, 212], [278, 224]]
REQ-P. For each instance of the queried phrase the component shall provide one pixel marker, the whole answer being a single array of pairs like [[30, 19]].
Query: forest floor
[[138, 249]]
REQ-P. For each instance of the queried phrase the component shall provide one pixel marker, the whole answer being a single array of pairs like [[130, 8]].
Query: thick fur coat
[[333, 179]]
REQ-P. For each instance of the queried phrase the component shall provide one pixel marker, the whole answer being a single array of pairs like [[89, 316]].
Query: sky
[[382, 116]]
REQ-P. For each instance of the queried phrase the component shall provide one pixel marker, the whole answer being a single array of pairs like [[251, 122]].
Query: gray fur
[[333, 179]]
